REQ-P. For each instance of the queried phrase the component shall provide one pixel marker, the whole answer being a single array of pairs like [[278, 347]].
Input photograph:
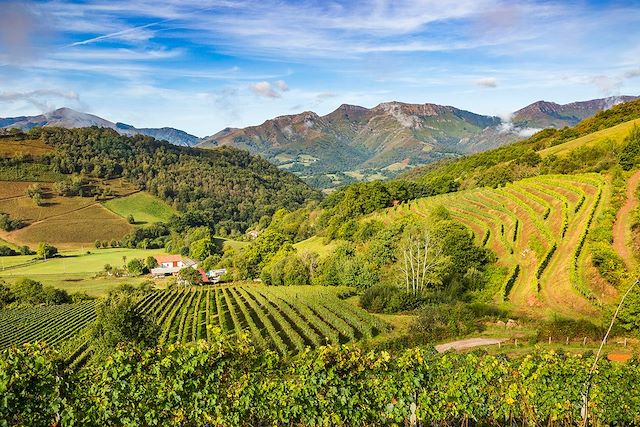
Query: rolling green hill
[[144, 208]]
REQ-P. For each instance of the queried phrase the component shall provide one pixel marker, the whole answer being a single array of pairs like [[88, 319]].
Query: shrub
[[560, 328], [7, 251], [437, 322], [389, 299], [136, 267]]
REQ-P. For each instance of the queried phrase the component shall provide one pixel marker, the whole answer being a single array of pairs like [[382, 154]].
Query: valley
[[526, 246]]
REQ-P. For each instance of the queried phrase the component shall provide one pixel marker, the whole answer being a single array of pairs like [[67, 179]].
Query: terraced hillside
[[285, 319], [537, 228]]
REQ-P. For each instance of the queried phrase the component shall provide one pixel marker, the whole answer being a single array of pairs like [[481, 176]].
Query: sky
[[203, 65]]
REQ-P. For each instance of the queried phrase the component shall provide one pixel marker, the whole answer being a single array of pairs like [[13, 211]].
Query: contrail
[[133, 29], [119, 33]]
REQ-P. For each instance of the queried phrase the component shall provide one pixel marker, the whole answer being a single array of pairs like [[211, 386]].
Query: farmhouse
[[169, 265]]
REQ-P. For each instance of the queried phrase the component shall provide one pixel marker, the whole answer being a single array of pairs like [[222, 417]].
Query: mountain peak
[[542, 114]]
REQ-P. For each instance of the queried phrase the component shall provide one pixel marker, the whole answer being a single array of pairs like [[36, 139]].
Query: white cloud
[[268, 90], [264, 89], [281, 85], [632, 73], [487, 82]]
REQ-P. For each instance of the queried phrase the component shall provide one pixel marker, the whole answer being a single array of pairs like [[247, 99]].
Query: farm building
[[215, 275], [169, 265]]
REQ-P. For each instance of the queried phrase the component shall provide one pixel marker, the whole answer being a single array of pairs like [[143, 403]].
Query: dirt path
[[469, 343], [621, 225]]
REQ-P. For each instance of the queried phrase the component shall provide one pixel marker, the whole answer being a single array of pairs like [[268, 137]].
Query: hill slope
[[224, 187]]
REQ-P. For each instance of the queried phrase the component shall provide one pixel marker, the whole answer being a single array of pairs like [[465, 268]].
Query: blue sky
[[202, 65]]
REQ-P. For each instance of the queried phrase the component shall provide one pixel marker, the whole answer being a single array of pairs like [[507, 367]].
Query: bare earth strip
[[621, 225], [469, 343]]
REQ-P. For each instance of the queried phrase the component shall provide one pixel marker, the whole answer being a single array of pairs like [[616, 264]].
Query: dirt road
[[623, 220], [469, 343]]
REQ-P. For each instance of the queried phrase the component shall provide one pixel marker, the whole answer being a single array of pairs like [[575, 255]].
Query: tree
[[630, 152], [54, 296], [35, 193], [295, 272], [422, 263], [45, 251], [136, 267], [151, 262], [189, 277], [28, 291], [119, 320], [202, 248]]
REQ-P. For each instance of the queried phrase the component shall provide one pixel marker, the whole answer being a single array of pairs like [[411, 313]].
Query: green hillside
[[144, 208]]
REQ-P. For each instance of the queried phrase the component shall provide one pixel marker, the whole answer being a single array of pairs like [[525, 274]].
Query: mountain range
[[354, 142], [68, 118]]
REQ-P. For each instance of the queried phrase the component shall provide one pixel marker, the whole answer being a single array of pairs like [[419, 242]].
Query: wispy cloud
[[487, 82], [41, 99]]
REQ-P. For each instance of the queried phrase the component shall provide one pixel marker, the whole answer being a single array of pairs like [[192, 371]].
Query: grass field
[[77, 228], [315, 244], [616, 134], [35, 147], [75, 271], [145, 208], [65, 222]]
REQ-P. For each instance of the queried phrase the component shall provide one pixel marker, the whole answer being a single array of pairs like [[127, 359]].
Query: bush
[[7, 251], [119, 320], [559, 329], [438, 322], [10, 224], [389, 299], [136, 267], [30, 292]]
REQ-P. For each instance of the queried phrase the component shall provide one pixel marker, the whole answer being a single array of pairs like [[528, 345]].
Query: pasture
[[615, 134], [75, 271], [145, 208]]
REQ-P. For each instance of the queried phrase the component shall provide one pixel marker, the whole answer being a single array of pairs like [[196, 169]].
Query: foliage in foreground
[[231, 383]]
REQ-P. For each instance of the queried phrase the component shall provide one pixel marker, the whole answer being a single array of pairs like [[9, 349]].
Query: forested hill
[[224, 185]]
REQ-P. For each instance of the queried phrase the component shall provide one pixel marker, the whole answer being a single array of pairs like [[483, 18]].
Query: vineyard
[[537, 228], [53, 325], [284, 319]]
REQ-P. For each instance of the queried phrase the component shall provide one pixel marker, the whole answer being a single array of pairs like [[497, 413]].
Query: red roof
[[205, 278], [168, 258]]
